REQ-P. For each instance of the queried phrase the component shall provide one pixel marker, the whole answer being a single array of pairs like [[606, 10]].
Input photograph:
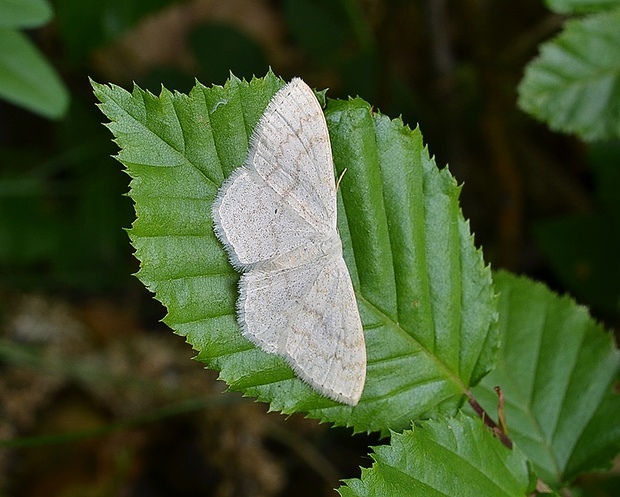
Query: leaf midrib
[[388, 321]]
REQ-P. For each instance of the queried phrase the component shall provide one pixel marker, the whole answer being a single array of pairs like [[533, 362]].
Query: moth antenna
[[340, 178]]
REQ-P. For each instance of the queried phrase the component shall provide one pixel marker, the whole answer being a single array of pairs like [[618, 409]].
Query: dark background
[[82, 351]]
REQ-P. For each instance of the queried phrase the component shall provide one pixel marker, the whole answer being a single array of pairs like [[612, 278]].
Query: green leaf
[[27, 79], [442, 458], [424, 294], [556, 369], [24, 13], [574, 84], [577, 6]]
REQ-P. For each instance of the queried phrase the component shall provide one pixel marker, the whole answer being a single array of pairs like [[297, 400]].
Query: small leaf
[[556, 369], [574, 84], [446, 457], [424, 293], [24, 13], [27, 79]]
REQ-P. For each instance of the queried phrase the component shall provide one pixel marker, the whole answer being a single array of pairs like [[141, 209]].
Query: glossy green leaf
[[424, 293], [24, 13], [574, 84], [556, 369], [27, 79], [577, 6], [455, 457]]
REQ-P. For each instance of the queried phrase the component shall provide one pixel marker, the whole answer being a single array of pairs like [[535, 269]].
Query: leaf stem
[[497, 430]]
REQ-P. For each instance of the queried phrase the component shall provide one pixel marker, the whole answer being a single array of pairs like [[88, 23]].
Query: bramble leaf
[[454, 457], [574, 84], [556, 369], [424, 294]]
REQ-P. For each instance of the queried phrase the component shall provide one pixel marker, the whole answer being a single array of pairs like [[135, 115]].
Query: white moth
[[276, 217]]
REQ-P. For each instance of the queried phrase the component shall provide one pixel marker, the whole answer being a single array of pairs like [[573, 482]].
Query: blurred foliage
[[26, 78], [220, 50], [24, 13], [84, 25], [45, 197], [583, 248], [576, 6], [574, 84]]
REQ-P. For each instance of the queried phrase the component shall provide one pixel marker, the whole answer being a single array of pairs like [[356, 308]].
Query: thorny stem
[[498, 430]]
